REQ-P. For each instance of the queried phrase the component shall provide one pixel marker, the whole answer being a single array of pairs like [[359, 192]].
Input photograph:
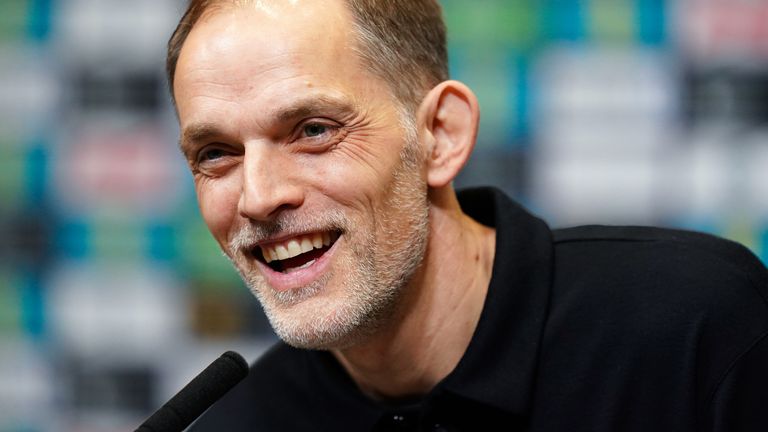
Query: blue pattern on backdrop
[[564, 20], [161, 244], [39, 24], [36, 172], [651, 22], [523, 100], [33, 304], [73, 239]]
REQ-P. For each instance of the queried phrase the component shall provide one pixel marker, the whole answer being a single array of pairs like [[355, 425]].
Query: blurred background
[[113, 294]]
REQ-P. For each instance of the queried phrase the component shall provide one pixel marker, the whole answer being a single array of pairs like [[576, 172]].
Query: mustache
[[287, 225]]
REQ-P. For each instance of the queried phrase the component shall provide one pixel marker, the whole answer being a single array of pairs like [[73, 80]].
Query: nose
[[269, 183]]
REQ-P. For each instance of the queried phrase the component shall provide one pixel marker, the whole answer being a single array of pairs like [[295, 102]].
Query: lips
[[296, 253], [296, 269]]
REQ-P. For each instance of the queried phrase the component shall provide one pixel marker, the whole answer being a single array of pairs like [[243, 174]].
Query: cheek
[[218, 205], [355, 174], [349, 184]]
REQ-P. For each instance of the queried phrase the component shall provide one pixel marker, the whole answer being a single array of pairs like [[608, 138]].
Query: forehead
[[263, 49]]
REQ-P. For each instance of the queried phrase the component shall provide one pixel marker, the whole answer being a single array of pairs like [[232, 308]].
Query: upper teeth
[[295, 246]]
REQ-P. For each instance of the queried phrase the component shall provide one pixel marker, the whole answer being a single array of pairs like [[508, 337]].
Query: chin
[[322, 322], [322, 334]]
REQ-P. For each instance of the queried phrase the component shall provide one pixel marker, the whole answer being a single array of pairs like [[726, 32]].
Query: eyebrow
[[197, 132], [311, 106], [319, 105]]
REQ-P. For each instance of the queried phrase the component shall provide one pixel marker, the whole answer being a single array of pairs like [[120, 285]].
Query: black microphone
[[204, 389]]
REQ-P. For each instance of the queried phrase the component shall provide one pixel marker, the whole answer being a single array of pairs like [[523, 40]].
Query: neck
[[438, 313]]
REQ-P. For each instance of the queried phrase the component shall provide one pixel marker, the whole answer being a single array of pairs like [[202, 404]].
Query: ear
[[447, 121]]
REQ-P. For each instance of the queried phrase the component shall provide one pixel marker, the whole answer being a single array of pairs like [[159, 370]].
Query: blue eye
[[315, 129], [212, 154]]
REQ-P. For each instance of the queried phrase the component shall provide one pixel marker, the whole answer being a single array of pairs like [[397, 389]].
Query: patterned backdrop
[[112, 292]]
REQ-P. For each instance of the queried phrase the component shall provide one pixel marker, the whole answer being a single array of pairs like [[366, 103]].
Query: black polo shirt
[[585, 329]]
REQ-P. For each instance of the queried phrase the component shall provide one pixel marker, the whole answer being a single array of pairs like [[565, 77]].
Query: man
[[323, 138]]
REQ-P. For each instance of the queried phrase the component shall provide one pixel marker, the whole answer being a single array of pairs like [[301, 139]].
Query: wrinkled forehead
[[262, 55], [276, 25], [256, 33], [274, 9]]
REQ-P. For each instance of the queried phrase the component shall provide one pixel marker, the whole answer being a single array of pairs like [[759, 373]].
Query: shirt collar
[[499, 365]]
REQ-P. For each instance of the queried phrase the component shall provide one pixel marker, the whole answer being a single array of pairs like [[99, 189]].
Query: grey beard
[[372, 289]]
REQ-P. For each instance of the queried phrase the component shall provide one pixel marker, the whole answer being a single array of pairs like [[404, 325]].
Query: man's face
[[301, 166]]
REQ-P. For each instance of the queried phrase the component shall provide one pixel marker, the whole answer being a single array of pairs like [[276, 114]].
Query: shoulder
[[661, 237], [705, 243], [658, 286], [659, 294], [672, 309], [265, 398], [673, 261]]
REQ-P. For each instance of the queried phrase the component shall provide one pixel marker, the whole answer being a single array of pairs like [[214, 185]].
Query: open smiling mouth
[[296, 253]]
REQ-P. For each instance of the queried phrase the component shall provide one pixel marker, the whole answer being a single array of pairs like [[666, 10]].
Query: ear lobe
[[449, 116]]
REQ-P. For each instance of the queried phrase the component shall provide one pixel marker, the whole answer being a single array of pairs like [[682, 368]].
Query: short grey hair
[[402, 42]]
